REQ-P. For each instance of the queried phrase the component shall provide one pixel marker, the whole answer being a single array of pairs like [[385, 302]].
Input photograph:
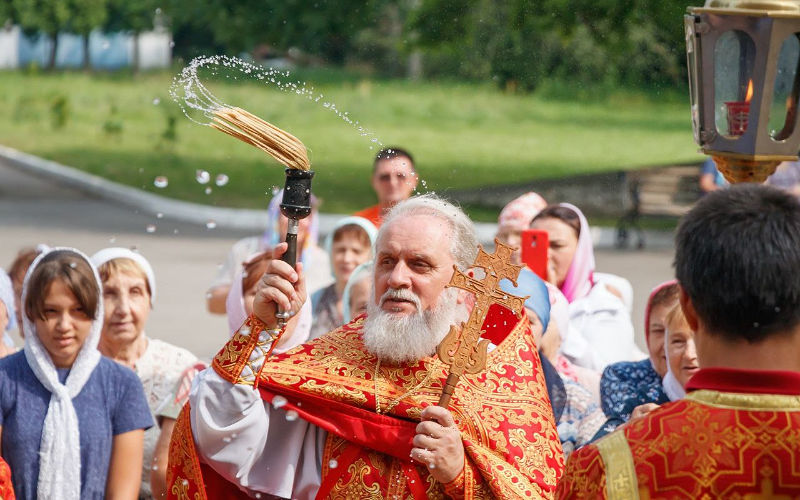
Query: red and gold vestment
[[6, 488], [511, 446], [735, 435]]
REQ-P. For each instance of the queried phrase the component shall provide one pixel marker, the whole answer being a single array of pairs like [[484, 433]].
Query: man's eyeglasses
[[388, 177]]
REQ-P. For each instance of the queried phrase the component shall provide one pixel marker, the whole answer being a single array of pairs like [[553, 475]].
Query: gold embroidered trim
[[621, 480], [739, 401]]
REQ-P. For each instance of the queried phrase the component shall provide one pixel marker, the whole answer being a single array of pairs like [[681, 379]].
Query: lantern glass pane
[[734, 57], [691, 64], [783, 109]]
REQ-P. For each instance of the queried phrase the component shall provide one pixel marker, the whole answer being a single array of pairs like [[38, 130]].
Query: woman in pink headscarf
[[600, 328]]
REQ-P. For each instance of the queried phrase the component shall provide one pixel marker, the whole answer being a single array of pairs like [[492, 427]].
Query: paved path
[[184, 256]]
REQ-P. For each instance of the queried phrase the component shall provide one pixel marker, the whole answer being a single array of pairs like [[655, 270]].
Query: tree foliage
[[518, 43]]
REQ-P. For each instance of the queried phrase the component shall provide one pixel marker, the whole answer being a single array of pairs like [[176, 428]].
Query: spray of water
[[199, 104]]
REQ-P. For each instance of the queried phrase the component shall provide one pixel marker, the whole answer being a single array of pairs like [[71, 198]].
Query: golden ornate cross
[[463, 348]]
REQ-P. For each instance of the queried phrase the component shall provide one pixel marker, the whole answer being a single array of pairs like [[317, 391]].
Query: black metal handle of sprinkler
[[296, 205]]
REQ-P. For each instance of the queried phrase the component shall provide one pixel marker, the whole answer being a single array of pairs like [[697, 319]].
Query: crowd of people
[[347, 388]]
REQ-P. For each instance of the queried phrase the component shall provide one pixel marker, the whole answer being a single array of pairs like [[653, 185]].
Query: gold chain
[[396, 401]]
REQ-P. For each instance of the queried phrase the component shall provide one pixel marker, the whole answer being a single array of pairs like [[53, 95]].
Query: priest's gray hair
[[464, 241]]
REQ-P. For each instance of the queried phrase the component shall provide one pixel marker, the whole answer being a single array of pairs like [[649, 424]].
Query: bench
[[657, 192]]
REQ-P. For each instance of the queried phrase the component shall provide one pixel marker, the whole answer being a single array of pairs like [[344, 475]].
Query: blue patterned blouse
[[628, 384]]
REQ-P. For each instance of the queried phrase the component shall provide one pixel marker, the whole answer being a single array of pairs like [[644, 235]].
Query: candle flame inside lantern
[[749, 94]]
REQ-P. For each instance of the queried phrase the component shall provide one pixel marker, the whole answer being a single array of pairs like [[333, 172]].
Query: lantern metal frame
[[768, 24]]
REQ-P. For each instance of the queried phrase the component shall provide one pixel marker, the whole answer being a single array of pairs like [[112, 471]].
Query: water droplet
[[155, 467], [291, 415], [156, 101], [279, 402], [333, 464], [258, 495], [226, 439], [211, 224], [221, 180], [161, 182], [208, 190], [159, 215], [202, 176], [151, 228]]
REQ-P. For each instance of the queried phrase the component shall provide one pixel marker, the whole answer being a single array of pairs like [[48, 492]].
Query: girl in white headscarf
[[129, 292], [72, 421]]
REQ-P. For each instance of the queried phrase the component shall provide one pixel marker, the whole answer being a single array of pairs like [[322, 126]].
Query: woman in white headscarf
[[71, 421], [349, 245], [129, 292]]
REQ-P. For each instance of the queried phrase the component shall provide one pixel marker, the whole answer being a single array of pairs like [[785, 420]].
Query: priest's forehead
[[416, 235]]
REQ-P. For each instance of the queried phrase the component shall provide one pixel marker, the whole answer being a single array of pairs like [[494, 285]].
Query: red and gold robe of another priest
[[735, 435], [369, 412]]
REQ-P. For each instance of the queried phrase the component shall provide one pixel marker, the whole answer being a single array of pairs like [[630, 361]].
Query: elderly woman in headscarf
[[515, 217], [577, 414], [8, 318], [314, 259], [629, 384], [600, 331], [129, 293], [71, 420], [349, 245]]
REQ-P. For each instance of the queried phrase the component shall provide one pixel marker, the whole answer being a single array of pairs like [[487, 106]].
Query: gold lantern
[[743, 58]]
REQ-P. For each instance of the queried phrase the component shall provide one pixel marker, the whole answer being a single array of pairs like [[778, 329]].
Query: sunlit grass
[[462, 135]]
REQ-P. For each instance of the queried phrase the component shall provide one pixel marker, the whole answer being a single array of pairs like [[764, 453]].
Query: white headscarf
[[353, 220], [59, 449], [109, 254], [362, 272]]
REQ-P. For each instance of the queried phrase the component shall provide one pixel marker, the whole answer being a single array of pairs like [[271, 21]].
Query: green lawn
[[462, 135]]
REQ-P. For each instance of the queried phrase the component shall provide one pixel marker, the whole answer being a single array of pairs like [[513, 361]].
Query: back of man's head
[[464, 242], [391, 153], [738, 260]]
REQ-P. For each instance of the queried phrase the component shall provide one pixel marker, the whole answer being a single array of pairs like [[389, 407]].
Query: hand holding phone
[[535, 243]]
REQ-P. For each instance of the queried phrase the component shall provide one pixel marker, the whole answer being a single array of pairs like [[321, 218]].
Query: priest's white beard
[[403, 338]]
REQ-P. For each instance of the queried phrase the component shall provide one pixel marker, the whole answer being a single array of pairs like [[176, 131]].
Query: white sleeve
[[251, 444], [606, 330]]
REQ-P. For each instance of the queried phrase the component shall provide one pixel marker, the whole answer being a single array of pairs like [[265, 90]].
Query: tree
[[133, 16], [87, 15], [45, 16]]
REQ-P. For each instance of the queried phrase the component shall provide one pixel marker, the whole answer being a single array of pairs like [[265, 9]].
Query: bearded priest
[[353, 414]]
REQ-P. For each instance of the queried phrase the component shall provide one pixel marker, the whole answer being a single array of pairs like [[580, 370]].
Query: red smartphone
[[535, 243]]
